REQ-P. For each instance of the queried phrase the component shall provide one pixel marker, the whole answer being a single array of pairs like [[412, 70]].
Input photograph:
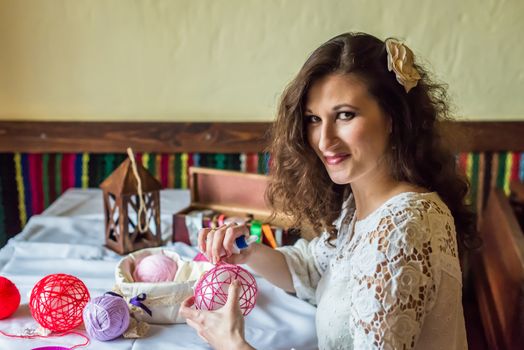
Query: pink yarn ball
[[212, 289], [155, 268]]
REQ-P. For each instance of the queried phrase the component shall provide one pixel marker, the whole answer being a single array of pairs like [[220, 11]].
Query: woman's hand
[[222, 328], [217, 243]]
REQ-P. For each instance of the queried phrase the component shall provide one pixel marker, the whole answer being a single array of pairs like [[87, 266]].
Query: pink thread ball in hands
[[155, 268], [212, 289]]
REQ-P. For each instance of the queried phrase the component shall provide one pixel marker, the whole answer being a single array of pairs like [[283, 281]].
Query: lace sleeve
[[307, 262], [395, 283]]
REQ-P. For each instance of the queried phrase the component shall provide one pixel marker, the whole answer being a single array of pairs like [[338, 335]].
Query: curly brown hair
[[300, 185]]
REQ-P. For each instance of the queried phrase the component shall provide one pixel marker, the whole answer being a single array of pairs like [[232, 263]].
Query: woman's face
[[346, 128]]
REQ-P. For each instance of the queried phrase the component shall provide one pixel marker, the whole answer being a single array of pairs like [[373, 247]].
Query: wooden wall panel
[[103, 137]]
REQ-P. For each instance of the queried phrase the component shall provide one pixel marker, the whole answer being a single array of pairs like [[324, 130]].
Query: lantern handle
[[142, 204]]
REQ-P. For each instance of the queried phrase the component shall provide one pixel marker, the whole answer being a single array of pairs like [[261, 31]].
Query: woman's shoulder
[[423, 202], [408, 206], [423, 210], [413, 218]]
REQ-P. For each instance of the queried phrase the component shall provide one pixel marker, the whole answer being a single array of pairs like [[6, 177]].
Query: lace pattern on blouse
[[399, 267], [392, 263]]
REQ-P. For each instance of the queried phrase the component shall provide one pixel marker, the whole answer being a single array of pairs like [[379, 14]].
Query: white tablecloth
[[69, 238]]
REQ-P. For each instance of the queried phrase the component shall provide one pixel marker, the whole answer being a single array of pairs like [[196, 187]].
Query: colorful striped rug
[[30, 182]]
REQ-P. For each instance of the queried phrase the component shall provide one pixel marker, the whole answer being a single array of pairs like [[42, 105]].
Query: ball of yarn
[[9, 298], [212, 289], [155, 268], [57, 302], [106, 317]]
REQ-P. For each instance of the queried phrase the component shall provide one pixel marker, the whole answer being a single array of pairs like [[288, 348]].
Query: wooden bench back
[[499, 274]]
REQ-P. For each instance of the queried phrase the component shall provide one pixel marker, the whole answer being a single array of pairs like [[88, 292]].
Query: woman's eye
[[312, 119], [346, 115]]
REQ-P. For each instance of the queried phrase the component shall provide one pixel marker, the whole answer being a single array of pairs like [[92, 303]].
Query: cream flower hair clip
[[401, 61]]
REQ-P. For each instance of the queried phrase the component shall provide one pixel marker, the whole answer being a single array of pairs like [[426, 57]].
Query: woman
[[356, 154]]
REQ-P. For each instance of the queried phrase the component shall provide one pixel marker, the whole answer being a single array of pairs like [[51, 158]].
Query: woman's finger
[[231, 234], [198, 329], [189, 301], [202, 239], [209, 243], [228, 239], [185, 309], [233, 296], [202, 236], [218, 240], [192, 324]]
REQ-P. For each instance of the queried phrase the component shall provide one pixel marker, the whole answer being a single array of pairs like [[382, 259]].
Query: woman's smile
[[336, 159]]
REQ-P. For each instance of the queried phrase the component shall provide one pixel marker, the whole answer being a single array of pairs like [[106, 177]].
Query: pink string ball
[[106, 317], [57, 302], [155, 268], [9, 298], [212, 289]]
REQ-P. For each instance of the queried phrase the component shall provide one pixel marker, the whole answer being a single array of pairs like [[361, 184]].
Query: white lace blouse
[[391, 281]]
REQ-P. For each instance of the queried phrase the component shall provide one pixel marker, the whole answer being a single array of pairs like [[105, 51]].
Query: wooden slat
[[104, 137], [101, 137], [484, 136]]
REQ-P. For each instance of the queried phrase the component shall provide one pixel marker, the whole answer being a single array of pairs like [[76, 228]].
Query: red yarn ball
[[212, 289], [9, 296], [57, 302]]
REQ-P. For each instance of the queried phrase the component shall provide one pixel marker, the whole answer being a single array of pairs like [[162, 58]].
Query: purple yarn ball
[[106, 317]]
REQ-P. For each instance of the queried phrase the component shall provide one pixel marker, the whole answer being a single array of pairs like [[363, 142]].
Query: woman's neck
[[371, 192]]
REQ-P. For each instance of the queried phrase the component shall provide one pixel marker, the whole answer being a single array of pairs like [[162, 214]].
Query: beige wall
[[216, 60]]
